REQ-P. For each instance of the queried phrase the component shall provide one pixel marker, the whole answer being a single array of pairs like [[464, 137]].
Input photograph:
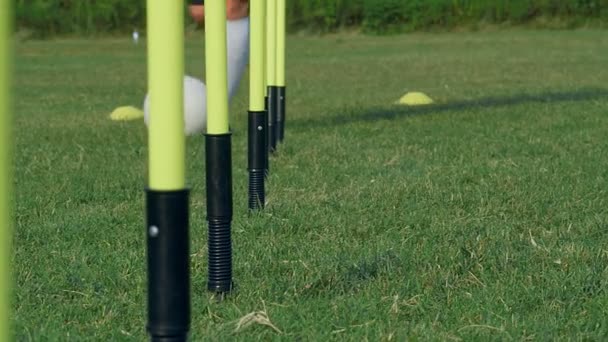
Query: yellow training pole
[[256, 55], [5, 169], [165, 83], [264, 42], [216, 66], [280, 70], [271, 70], [258, 118], [280, 43], [264, 17], [167, 202], [271, 42], [218, 155]]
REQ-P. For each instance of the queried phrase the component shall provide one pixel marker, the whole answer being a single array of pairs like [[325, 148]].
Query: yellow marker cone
[[415, 99], [126, 113]]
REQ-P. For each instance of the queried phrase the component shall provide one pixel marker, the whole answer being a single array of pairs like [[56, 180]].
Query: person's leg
[[197, 10], [235, 10], [238, 52], [237, 13]]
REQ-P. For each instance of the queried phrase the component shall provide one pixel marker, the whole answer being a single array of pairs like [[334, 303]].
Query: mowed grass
[[483, 217]]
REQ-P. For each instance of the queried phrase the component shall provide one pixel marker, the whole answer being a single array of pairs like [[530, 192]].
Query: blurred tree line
[[87, 17]]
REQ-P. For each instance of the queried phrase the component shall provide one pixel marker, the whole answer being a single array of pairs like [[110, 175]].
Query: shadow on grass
[[352, 277], [351, 115]]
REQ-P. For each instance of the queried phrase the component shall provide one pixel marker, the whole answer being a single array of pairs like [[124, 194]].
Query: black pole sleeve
[[168, 250], [272, 118], [267, 140], [218, 156], [258, 124], [280, 127]]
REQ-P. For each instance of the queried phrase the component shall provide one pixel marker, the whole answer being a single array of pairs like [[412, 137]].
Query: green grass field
[[483, 217]]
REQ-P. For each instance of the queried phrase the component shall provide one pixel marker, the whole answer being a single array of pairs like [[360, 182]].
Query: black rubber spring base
[[257, 195], [220, 256], [168, 252], [219, 211]]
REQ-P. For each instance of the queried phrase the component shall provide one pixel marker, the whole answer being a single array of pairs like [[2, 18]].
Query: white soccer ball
[[195, 106], [195, 94]]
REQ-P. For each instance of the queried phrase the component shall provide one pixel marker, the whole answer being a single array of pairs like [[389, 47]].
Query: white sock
[[237, 35]]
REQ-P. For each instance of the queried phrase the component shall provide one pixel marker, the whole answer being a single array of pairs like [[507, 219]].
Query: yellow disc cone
[[126, 113], [415, 99]]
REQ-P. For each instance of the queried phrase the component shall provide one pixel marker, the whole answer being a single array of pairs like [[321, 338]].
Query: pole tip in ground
[[415, 99], [126, 113]]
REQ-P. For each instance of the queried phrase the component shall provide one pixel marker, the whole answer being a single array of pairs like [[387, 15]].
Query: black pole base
[[169, 339], [272, 118], [168, 249], [280, 127], [220, 256], [267, 140], [257, 195], [218, 155], [266, 150], [258, 153]]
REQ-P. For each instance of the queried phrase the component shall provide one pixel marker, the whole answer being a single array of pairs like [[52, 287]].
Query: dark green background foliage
[[49, 17], [388, 16]]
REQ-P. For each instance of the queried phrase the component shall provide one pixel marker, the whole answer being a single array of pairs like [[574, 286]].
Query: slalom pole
[[6, 24], [280, 73], [271, 71], [167, 199], [258, 117], [265, 80], [218, 154]]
